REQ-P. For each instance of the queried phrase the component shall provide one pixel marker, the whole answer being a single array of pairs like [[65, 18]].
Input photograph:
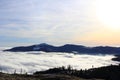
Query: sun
[[108, 12]]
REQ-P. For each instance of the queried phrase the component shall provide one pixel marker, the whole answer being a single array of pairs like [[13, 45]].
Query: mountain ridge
[[69, 48]]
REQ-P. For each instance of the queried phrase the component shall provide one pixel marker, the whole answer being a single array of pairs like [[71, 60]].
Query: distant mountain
[[69, 48]]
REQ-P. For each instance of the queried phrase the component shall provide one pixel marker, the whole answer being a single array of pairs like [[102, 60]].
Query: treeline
[[111, 72]]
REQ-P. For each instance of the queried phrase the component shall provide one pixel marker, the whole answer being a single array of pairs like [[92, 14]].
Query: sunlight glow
[[108, 12]]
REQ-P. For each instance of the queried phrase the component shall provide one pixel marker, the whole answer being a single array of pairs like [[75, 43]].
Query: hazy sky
[[57, 22]]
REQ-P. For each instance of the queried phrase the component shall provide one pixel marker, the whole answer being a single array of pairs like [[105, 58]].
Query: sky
[[56, 22]]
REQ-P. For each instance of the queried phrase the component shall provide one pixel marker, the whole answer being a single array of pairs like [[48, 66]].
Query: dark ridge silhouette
[[117, 58], [69, 48], [111, 72]]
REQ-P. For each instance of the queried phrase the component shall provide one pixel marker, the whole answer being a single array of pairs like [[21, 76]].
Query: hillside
[[4, 76], [111, 72]]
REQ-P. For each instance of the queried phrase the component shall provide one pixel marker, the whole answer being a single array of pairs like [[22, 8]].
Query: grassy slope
[[4, 76]]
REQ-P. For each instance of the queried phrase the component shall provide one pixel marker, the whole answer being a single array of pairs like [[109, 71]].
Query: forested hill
[[111, 72]]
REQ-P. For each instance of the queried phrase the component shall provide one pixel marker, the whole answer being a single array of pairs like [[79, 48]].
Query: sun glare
[[108, 12]]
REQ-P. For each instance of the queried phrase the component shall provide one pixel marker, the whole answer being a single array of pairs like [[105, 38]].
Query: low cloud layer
[[35, 61]]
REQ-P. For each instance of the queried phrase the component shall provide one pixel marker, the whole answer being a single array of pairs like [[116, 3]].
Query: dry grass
[[4, 76]]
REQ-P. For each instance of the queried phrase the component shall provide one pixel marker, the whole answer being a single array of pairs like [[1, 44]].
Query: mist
[[36, 61]]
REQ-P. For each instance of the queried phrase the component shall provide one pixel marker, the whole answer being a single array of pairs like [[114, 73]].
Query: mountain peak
[[43, 44]]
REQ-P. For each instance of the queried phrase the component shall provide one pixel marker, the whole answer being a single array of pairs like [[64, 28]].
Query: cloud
[[35, 61]]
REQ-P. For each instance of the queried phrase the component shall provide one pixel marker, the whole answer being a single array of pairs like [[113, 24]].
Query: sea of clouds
[[35, 61]]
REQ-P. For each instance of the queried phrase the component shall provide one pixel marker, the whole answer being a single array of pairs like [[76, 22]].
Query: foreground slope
[[111, 72], [4, 76]]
